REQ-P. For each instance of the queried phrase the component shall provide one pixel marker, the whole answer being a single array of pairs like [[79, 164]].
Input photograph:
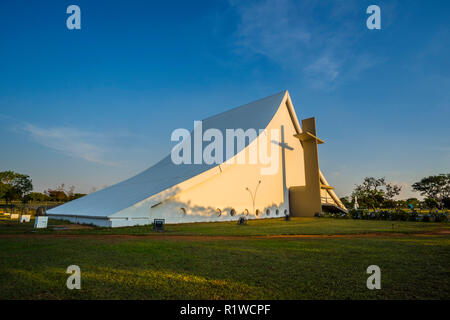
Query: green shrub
[[398, 215]]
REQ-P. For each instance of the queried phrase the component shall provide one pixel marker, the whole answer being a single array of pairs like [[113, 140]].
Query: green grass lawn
[[260, 227], [412, 266]]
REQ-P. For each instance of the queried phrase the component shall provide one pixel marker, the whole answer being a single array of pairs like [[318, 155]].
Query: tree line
[[374, 193], [18, 187]]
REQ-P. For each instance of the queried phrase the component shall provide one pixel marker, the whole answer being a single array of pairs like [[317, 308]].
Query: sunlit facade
[[291, 183]]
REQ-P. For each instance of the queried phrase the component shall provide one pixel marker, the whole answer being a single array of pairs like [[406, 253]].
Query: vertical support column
[[305, 200], [312, 175]]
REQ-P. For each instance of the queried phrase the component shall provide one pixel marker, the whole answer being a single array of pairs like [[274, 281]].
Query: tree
[[3, 190], [414, 202], [56, 195], [391, 191], [434, 187], [36, 197], [346, 202], [374, 193], [446, 202], [431, 203], [14, 185], [61, 194], [77, 195], [6, 178], [401, 204], [70, 192], [23, 184]]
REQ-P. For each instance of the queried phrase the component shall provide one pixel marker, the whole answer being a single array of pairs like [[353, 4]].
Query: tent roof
[[165, 174]]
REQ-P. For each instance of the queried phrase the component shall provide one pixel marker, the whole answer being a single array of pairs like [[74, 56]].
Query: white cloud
[[322, 71], [263, 29], [406, 191], [89, 146], [315, 39]]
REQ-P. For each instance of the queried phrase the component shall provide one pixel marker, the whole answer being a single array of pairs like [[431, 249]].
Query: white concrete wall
[[82, 220], [118, 222], [129, 222]]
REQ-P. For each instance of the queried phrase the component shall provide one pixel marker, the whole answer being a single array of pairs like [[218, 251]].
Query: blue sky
[[94, 106]]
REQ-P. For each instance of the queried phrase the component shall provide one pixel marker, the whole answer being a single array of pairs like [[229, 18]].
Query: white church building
[[224, 191]]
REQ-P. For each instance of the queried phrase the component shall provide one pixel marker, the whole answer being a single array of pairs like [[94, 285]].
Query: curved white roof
[[165, 174]]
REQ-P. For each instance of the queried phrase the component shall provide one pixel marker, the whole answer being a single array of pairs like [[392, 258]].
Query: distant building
[[203, 192]]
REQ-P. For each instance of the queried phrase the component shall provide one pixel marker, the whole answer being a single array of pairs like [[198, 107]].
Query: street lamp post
[[253, 195]]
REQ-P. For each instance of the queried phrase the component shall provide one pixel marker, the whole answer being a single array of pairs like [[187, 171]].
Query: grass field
[[262, 260]]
